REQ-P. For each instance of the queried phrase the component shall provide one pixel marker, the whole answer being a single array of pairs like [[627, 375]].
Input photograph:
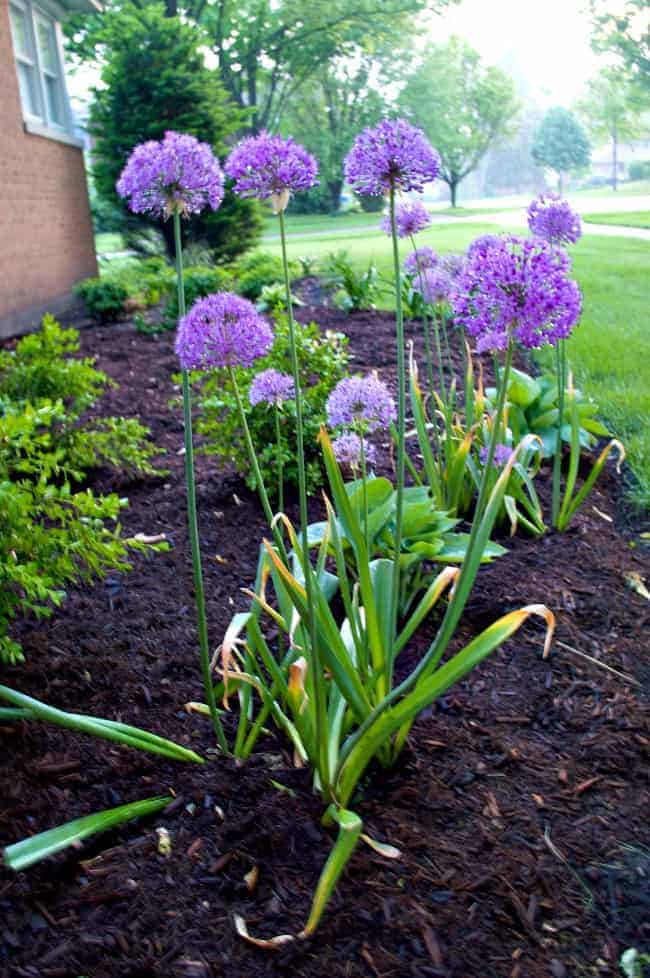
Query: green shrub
[[355, 290], [104, 298], [52, 534], [199, 282], [257, 269], [322, 363], [372, 205]]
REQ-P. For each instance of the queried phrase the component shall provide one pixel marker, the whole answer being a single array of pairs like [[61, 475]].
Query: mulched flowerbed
[[520, 805]]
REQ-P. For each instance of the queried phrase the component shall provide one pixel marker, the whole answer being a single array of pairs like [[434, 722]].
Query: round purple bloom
[[270, 166], [516, 287], [271, 387], [419, 259], [394, 155], [222, 330], [433, 284], [347, 450], [482, 244], [454, 264], [551, 218], [502, 455], [411, 217], [177, 174], [364, 403]]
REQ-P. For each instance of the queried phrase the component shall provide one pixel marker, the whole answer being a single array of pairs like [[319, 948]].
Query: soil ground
[[520, 805]]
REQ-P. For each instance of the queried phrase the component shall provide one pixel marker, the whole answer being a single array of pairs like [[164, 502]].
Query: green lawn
[[609, 350], [626, 219], [631, 188]]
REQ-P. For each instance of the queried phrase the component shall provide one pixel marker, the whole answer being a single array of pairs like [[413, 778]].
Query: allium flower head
[[433, 284], [347, 450], [222, 330], [551, 218], [271, 387], [270, 166], [454, 264], [394, 155], [410, 218], [516, 286], [176, 174], [419, 259], [364, 403], [502, 455]]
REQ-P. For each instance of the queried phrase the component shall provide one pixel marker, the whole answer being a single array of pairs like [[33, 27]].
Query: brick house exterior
[[47, 243]]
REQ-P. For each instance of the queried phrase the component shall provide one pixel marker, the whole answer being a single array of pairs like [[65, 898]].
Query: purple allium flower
[[347, 450], [222, 330], [516, 286], [453, 264], [394, 155], [482, 244], [177, 174], [271, 387], [419, 259], [551, 218], [502, 455], [364, 403], [270, 166], [433, 284], [410, 218]]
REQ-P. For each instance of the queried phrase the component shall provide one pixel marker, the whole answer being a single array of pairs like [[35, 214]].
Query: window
[[39, 64]]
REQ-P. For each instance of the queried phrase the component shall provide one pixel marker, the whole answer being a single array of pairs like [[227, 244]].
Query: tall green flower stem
[[278, 448], [561, 371], [401, 415], [319, 690], [192, 519]]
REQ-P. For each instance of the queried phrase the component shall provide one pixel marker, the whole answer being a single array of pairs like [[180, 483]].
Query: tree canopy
[[462, 105], [612, 111], [155, 79], [265, 49], [560, 143], [624, 31]]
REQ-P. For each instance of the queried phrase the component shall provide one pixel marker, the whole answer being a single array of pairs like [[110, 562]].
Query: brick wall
[[46, 239]]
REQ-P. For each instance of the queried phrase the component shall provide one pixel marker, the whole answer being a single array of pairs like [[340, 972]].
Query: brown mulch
[[520, 805]]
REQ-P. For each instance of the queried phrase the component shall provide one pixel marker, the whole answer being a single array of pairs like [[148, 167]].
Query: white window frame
[[49, 14]]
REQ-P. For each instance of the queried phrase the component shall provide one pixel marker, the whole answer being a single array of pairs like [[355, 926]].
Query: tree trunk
[[614, 159], [453, 185], [335, 187]]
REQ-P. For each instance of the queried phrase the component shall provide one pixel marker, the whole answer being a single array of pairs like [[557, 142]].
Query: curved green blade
[[22, 854]]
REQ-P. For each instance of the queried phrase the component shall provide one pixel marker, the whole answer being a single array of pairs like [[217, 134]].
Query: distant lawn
[[315, 223], [625, 219], [609, 350]]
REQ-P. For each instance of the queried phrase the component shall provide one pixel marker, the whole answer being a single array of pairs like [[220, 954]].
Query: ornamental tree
[[611, 109], [560, 143], [155, 79], [463, 106]]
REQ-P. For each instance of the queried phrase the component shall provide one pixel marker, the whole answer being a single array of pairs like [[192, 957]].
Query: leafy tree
[[463, 106], [267, 49], [343, 97], [155, 79], [612, 112], [624, 31], [560, 143]]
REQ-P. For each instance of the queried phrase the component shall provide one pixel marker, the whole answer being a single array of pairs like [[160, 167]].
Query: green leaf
[[22, 854]]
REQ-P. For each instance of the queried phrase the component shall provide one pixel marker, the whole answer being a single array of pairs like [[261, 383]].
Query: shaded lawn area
[[629, 219], [609, 350]]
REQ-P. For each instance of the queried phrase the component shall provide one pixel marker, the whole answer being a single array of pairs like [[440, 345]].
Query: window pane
[[54, 100], [20, 32], [47, 46], [28, 91]]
